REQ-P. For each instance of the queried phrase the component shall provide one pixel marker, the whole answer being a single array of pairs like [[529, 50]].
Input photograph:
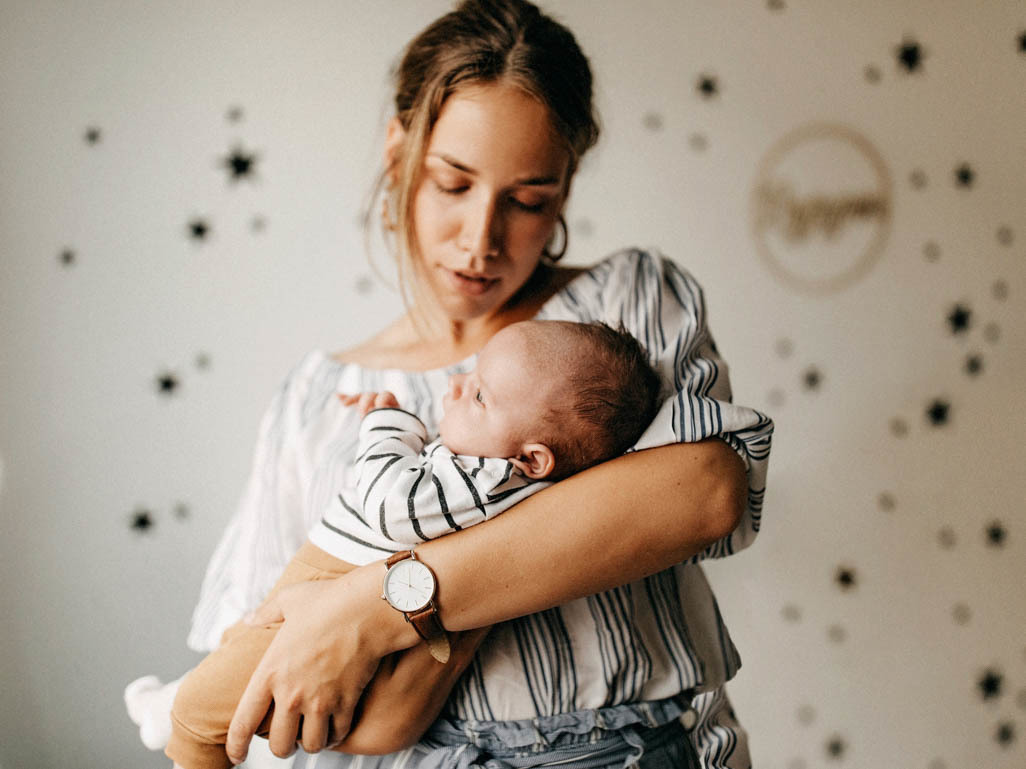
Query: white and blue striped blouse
[[647, 640]]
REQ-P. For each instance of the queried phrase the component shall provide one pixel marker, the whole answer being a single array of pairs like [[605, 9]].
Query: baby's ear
[[536, 460]]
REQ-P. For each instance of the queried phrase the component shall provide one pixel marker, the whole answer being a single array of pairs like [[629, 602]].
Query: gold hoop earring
[[551, 257]]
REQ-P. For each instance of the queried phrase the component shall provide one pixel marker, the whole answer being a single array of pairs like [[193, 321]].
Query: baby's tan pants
[[207, 699]]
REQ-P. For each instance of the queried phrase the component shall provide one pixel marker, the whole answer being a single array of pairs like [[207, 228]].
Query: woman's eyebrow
[[533, 181]]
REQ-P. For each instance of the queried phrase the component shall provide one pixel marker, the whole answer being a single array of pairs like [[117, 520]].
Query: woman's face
[[490, 192]]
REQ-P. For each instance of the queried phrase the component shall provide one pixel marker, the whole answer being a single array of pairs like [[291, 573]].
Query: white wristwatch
[[409, 587]]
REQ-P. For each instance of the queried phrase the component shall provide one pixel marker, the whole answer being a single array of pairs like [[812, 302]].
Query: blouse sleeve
[[663, 306], [268, 525]]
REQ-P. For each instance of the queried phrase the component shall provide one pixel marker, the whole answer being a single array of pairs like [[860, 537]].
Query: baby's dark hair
[[614, 396]]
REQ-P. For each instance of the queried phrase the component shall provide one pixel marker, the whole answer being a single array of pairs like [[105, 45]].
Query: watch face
[[409, 585]]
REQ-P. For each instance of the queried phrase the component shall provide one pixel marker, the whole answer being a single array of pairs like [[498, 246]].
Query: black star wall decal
[[990, 684], [974, 365], [584, 227], [845, 577], [791, 613], [910, 55], [1022, 42], [812, 379], [835, 747], [1005, 734], [141, 520], [653, 121], [707, 86], [899, 427], [234, 114], [959, 318], [961, 613], [964, 175], [198, 229], [240, 164], [92, 135], [167, 383], [996, 534], [181, 511], [837, 634], [937, 412], [67, 257]]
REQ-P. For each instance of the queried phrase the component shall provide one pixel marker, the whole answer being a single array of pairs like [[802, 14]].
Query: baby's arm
[[410, 491]]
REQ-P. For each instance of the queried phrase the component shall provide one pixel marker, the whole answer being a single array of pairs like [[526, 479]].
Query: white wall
[[86, 439]]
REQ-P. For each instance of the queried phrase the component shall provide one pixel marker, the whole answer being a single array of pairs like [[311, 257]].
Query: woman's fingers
[[284, 732], [313, 736], [253, 706]]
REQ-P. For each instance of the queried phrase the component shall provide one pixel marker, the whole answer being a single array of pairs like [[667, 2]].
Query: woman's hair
[[481, 42]]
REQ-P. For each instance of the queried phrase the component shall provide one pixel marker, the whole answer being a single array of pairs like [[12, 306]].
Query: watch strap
[[426, 623]]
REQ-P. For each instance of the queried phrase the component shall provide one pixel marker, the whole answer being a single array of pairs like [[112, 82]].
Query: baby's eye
[[478, 397]]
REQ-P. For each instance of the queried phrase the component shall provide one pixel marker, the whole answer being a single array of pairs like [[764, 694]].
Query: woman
[[623, 656]]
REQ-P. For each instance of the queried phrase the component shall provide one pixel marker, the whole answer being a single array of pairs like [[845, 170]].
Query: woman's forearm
[[609, 525]]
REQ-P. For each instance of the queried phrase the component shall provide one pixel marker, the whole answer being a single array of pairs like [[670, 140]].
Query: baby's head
[[554, 397]]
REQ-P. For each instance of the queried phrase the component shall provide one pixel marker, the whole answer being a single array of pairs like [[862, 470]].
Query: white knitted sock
[[149, 706]]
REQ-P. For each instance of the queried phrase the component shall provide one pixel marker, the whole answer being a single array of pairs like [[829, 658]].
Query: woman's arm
[[611, 524]]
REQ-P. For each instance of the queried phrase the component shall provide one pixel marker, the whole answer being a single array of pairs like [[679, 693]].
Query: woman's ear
[[394, 138], [536, 460]]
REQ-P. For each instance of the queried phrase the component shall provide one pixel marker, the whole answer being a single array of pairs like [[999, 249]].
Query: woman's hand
[[406, 695], [333, 636]]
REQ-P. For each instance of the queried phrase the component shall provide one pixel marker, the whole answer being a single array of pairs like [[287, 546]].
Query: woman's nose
[[481, 230], [456, 385]]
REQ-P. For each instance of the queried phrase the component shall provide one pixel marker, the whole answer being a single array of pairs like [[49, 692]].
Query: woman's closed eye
[[479, 398], [531, 208], [459, 189], [450, 189]]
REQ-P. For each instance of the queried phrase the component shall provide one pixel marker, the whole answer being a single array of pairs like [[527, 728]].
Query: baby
[[545, 400]]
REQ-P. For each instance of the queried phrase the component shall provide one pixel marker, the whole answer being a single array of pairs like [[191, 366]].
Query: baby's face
[[494, 409]]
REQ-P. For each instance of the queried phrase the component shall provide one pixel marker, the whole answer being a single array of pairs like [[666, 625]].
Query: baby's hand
[[368, 401]]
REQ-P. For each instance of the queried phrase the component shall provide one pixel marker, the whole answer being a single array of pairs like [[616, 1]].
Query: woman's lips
[[470, 284]]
